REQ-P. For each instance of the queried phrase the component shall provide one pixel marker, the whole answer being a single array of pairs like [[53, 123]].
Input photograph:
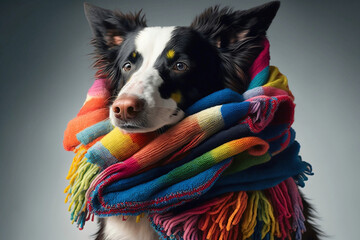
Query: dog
[[157, 72]]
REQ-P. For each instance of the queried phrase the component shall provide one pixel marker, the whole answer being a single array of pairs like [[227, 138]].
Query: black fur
[[238, 35], [106, 25], [313, 232], [219, 47], [204, 67]]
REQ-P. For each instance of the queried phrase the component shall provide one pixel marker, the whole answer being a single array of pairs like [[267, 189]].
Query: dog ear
[[109, 27], [224, 26], [238, 35]]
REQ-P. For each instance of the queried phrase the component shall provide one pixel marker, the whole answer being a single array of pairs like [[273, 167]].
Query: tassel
[[241, 202], [81, 174], [301, 177], [80, 153], [266, 216], [298, 224], [217, 219], [280, 200], [257, 231], [222, 222], [257, 215], [249, 221]]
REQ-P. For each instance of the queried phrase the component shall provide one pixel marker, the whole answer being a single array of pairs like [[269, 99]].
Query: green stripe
[[244, 161]]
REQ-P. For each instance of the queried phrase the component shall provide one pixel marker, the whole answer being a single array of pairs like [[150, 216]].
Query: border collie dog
[[157, 72]]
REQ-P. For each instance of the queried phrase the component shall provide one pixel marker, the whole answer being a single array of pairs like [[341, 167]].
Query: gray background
[[45, 73]]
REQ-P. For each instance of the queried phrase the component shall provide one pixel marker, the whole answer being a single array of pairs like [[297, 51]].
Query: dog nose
[[127, 107]]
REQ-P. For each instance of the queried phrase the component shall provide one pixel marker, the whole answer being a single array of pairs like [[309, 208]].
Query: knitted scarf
[[228, 170]]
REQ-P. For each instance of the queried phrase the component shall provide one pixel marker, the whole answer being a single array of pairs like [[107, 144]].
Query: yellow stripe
[[222, 152], [277, 79], [121, 152], [237, 146]]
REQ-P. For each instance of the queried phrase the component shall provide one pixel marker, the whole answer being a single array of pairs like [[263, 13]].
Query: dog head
[[155, 73]]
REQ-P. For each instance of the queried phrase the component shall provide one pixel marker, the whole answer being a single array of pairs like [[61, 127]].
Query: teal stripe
[[89, 134], [260, 78]]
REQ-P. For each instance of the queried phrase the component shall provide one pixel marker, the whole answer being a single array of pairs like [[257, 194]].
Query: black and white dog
[[157, 72]]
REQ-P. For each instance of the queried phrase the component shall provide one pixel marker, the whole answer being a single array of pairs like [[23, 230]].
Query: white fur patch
[[150, 43], [145, 82], [117, 229]]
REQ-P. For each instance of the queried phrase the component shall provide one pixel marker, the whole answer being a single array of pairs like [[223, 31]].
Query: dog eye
[[127, 67], [180, 66]]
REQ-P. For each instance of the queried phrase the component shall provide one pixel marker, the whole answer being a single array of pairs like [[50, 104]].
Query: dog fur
[[166, 69]]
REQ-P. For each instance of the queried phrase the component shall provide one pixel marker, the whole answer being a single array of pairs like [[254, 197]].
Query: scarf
[[229, 170]]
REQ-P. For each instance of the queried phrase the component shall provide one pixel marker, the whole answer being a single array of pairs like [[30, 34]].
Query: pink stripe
[[272, 91], [122, 170], [262, 61], [99, 88]]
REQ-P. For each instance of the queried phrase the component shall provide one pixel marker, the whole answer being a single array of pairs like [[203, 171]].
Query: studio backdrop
[[45, 66]]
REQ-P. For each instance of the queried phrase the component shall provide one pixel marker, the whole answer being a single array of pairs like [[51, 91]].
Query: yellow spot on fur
[[134, 54], [176, 96], [170, 54]]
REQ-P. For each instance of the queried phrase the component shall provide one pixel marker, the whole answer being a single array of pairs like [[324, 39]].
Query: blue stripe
[[232, 113], [99, 155], [218, 98]]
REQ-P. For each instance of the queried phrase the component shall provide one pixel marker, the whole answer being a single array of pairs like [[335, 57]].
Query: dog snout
[[127, 107]]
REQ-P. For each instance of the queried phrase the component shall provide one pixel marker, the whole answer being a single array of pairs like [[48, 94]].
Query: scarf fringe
[[268, 214], [301, 178], [81, 174]]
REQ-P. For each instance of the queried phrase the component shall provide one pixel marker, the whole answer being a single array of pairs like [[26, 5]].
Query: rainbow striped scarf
[[228, 170]]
